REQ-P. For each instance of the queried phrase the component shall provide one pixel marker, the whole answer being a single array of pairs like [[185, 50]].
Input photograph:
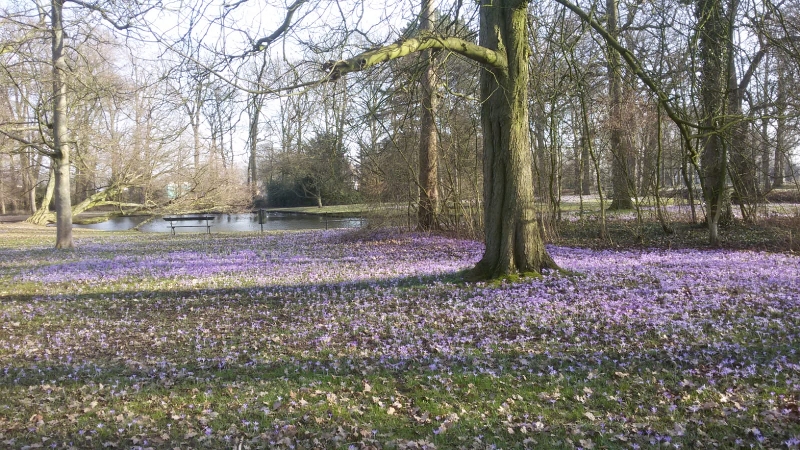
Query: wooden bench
[[172, 222]]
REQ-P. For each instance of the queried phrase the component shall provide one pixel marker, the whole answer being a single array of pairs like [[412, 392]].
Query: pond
[[231, 222]]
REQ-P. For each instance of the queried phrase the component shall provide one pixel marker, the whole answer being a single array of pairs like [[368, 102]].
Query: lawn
[[329, 339]]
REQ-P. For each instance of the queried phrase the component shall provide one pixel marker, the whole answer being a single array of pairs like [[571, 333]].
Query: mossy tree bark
[[513, 241]]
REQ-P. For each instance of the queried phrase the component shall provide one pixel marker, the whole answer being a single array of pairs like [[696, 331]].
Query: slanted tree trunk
[[428, 141], [60, 156], [43, 216], [513, 242]]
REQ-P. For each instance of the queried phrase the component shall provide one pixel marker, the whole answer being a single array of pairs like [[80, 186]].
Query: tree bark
[[43, 216], [586, 170], [254, 110], [743, 167], [513, 241], [60, 147], [428, 141], [765, 151], [28, 180], [621, 172], [713, 36], [778, 170]]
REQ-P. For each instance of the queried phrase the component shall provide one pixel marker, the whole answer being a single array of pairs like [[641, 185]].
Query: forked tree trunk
[[513, 241]]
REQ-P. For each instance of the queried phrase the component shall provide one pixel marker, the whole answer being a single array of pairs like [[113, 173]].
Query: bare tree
[[56, 143]]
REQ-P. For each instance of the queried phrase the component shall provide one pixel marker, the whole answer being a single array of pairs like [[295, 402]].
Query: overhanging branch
[[370, 58]]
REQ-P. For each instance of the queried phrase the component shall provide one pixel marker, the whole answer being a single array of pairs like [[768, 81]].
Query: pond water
[[230, 222]]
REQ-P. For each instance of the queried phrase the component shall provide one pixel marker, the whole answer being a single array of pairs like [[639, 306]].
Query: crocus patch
[[325, 339]]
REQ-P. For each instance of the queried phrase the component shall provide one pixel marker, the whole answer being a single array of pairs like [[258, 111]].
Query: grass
[[775, 235], [330, 339], [344, 210]]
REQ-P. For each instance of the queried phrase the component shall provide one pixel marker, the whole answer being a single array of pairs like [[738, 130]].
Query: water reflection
[[230, 222]]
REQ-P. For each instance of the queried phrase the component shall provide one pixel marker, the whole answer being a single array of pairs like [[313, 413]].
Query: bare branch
[[264, 42], [633, 63], [106, 14], [38, 147]]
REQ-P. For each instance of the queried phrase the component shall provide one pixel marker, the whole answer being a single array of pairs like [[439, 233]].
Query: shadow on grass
[[164, 393], [103, 403]]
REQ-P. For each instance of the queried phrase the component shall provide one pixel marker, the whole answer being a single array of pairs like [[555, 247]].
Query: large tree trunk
[[61, 148], [621, 171], [428, 142], [513, 242], [713, 36]]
